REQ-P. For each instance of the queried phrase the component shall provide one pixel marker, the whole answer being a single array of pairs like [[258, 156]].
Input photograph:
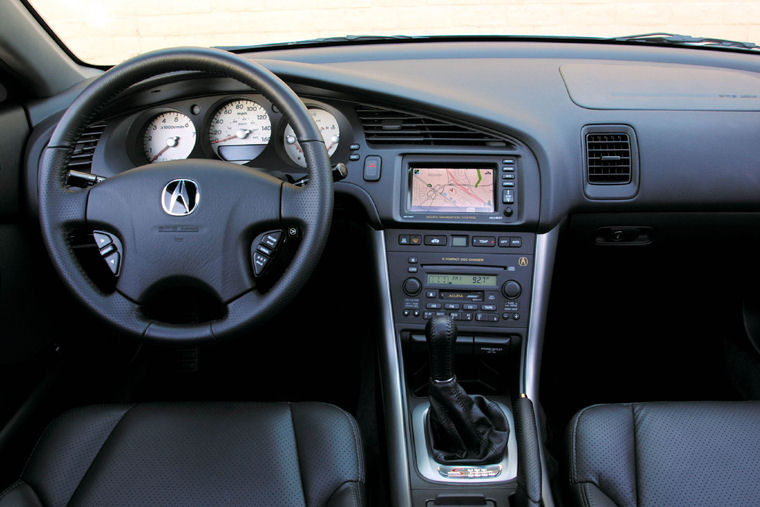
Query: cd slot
[[462, 269]]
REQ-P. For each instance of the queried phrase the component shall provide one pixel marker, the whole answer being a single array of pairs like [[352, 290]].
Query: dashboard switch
[[113, 261], [372, 167]]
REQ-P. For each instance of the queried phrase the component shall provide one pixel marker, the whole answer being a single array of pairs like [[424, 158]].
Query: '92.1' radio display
[[461, 280]]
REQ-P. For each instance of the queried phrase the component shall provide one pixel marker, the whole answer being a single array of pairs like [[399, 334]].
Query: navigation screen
[[452, 190]]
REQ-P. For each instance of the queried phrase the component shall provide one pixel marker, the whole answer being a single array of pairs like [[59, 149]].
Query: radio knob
[[412, 286], [511, 289]]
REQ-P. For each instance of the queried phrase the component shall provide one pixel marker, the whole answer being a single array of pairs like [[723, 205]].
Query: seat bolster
[[602, 454], [19, 494], [349, 494], [589, 495], [327, 434], [66, 450]]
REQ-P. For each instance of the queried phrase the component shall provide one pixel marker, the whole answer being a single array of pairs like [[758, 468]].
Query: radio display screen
[[461, 280], [450, 190]]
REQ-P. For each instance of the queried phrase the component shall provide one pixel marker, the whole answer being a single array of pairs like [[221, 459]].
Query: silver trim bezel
[[429, 468]]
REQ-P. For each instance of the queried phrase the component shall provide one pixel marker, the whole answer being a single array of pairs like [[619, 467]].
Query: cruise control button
[[113, 261], [272, 239], [260, 262], [264, 249]]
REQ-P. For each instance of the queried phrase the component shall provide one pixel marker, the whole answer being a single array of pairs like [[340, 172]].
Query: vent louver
[[386, 126], [84, 149], [608, 158]]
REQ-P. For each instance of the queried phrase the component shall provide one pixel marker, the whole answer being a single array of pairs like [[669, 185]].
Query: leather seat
[[195, 454], [684, 453]]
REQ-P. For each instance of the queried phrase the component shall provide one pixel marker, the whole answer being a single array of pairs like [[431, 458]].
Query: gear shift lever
[[462, 429], [441, 336]]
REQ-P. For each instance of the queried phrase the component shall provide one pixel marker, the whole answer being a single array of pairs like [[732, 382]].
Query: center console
[[461, 245]]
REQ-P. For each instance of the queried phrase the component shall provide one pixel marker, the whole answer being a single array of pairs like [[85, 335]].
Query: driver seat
[[195, 454]]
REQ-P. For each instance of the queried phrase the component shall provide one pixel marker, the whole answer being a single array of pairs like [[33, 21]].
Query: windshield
[[105, 32]]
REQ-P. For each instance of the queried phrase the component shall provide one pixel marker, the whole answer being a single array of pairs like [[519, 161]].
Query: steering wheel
[[212, 244]]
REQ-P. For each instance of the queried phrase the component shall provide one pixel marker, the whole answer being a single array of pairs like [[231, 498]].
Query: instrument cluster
[[242, 129]]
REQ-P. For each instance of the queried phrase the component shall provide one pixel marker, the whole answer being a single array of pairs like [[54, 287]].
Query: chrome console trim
[[392, 382], [431, 470], [543, 268]]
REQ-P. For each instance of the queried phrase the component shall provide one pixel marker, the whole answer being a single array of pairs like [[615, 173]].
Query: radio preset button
[[487, 317], [411, 286]]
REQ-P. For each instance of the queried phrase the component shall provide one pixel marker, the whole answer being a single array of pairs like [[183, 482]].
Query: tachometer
[[169, 136], [239, 131], [326, 122]]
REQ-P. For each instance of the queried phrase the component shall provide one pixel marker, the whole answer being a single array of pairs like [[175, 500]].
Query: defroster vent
[[609, 159], [386, 126]]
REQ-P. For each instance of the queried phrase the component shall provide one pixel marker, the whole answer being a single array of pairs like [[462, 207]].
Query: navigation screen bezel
[[456, 166]]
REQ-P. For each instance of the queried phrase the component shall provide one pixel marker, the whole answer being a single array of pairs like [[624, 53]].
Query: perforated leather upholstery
[[196, 454], [696, 453]]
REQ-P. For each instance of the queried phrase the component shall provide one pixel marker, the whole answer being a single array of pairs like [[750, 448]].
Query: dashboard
[[466, 159]]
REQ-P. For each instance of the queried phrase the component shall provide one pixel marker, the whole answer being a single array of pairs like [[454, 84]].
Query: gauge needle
[[170, 143], [240, 134]]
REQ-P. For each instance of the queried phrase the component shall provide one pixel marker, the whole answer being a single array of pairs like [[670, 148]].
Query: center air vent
[[611, 162], [84, 149], [386, 126], [608, 158]]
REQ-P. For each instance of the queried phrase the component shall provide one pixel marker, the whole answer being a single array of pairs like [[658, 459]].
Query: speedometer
[[239, 131], [169, 136], [326, 122]]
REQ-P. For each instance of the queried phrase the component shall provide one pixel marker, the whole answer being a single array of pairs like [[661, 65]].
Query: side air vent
[[611, 161], [84, 149], [386, 126], [609, 158]]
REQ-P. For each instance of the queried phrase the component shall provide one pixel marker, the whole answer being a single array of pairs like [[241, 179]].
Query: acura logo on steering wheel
[[180, 197]]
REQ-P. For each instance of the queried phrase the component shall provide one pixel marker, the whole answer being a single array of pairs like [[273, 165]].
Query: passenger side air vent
[[386, 126], [611, 161], [608, 158], [84, 149]]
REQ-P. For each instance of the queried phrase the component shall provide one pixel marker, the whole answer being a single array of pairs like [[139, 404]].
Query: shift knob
[[441, 336]]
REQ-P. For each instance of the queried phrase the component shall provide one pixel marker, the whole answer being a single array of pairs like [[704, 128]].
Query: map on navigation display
[[450, 190]]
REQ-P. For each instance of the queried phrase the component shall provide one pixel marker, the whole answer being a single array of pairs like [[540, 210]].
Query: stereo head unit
[[472, 189]]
